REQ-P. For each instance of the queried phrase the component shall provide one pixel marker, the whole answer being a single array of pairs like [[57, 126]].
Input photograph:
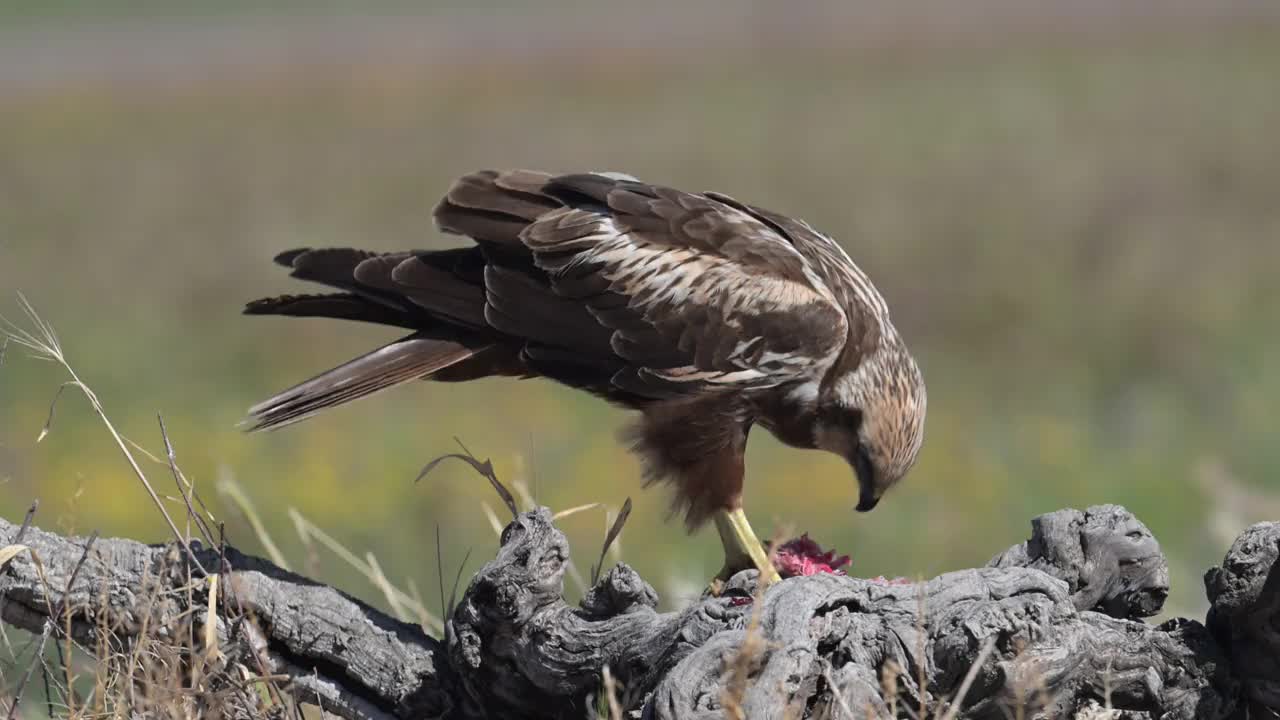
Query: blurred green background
[[1073, 209]]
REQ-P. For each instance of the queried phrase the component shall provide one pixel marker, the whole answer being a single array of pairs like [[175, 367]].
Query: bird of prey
[[705, 314]]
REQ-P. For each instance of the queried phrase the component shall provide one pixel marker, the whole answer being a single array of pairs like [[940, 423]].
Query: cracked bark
[[1062, 614]]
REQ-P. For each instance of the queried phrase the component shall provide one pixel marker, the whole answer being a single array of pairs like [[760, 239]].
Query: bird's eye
[[843, 417]]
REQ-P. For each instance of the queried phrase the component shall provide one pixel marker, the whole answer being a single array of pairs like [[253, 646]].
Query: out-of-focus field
[[1078, 232]]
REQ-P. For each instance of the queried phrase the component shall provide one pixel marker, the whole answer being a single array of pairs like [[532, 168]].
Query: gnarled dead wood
[[1052, 625]]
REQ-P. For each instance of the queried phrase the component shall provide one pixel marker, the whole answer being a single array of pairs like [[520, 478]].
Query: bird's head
[[873, 417]]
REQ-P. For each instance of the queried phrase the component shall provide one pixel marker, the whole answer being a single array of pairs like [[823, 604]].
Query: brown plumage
[[706, 314]]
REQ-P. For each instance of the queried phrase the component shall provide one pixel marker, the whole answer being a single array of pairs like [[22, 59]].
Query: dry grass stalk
[[889, 675], [43, 342], [401, 603], [161, 671], [611, 535], [231, 491], [611, 694]]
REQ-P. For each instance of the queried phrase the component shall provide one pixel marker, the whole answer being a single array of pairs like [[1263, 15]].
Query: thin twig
[[48, 690], [26, 678], [75, 572], [484, 468], [178, 478], [49, 625], [241, 616], [53, 404], [614, 531], [26, 522], [191, 488], [440, 573], [457, 579]]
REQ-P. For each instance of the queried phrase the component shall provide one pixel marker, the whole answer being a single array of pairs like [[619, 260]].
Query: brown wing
[[631, 291], [865, 308], [440, 294], [676, 292]]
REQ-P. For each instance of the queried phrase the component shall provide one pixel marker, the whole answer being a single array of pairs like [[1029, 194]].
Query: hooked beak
[[866, 502]]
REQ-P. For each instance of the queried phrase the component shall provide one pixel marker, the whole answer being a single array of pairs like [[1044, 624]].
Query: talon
[[742, 549], [716, 586]]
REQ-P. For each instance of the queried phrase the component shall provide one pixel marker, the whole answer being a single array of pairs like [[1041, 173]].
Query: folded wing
[[689, 293], [634, 292]]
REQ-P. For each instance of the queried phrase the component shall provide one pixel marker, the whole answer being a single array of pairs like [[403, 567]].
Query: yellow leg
[[742, 549]]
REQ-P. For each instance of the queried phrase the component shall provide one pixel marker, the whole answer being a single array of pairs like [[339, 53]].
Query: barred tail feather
[[410, 358]]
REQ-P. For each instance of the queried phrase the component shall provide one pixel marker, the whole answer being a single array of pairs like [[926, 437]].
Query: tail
[[459, 301], [410, 358], [439, 294]]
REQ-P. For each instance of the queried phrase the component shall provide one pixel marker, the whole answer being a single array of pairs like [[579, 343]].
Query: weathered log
[[1244, 614], [1052, 625], [339, 652]]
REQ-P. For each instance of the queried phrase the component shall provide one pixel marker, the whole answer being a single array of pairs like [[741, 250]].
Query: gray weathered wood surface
[[1059, 616]]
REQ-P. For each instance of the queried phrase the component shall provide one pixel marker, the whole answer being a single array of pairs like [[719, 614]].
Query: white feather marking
[[690, 374], [804, 394], [742, 348], [840, 262], [656, 276], [612, 175]]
